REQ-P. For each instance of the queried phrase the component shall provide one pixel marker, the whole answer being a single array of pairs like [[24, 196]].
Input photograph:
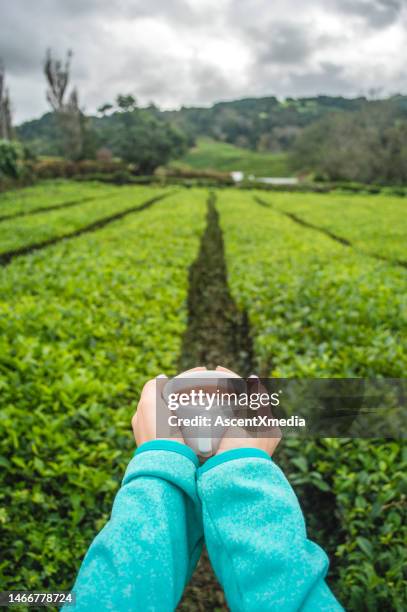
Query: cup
[[204, 438]]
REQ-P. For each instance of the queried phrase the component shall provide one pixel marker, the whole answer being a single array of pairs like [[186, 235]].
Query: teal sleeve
[[256, 538], [146, 553]]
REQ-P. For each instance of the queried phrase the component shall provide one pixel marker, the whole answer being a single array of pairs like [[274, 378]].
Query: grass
[[223, 157]]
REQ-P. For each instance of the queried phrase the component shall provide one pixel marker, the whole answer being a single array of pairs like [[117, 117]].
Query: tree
[[6, 129], [126, 103], [57, 75], [11, 154], [367, 145], [139, 137], [72, 122], [104, 108]]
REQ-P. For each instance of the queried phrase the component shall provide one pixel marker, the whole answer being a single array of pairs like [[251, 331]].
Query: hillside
[[209, 154], [259, 124], [253, 135]]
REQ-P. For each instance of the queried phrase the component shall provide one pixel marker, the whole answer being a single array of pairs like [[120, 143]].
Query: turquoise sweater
[[243, 505]]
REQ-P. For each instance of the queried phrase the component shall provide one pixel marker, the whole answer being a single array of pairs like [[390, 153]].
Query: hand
[[144, 419], [236, 437]]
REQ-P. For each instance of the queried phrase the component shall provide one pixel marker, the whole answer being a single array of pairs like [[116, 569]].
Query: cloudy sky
[[195, 52]]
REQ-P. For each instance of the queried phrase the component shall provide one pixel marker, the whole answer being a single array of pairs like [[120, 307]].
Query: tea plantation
[[94, 295], [321, 309]]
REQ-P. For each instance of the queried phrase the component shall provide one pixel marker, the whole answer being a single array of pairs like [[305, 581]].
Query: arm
[[144, 556], [146, 553], [256, 538]]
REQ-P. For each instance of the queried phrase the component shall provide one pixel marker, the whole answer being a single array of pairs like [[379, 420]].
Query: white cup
[[201, 438]]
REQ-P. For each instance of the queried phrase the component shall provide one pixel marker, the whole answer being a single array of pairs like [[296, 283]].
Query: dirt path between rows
[[217, 334]]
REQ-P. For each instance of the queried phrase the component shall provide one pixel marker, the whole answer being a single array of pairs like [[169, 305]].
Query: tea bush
[[373, 225], [27, 230], [83, 325], [319, 309]]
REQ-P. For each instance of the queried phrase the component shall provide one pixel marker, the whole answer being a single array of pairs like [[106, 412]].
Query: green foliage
[[222, 157], [62, 168], [11, 154], [143, 140], [120, 177], [126, 103], [354, 495], [27, 230], [58, 134], [367, 146], [42, 135], [104, 108], [319, 309], [334, 138], [47, 193], [375, 225], [257, 124], [82, 326], [138, 136]]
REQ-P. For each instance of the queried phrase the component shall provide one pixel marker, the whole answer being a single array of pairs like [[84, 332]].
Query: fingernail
[[161, 376], [253, 376]]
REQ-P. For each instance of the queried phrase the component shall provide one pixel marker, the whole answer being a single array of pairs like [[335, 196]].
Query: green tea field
[[103, 287]]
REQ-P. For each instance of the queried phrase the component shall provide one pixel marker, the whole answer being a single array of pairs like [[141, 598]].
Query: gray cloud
[[18, 59], [210, 80], [376, 13], [286, 44], [329, 78], [198, 51]]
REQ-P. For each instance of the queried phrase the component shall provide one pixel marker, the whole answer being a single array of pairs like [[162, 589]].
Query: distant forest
[[334, 138]]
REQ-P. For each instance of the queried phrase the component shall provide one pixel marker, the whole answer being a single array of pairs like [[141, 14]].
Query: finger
[[160, 383], [256, 383], [134, 420], [151, 393], [149, 389]]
